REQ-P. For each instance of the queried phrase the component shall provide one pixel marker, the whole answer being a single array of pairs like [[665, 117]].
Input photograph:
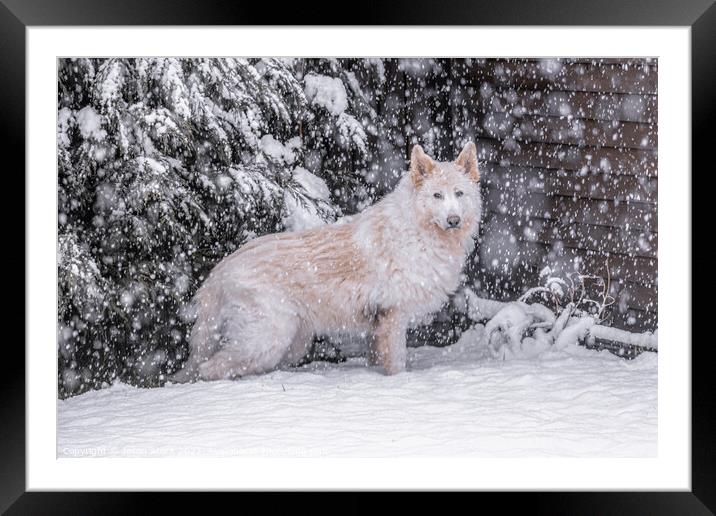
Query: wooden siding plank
[[568, 157], [588, 105], [634, 320], [554, 74], [569, 183], [651, 62], [563, 130], [566, 210], [583, 236], [635, 296], [636, 269]]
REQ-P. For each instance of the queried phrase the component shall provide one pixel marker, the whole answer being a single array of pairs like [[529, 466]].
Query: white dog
[[384, 270]]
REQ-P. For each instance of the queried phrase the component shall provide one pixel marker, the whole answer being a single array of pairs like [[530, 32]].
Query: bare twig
[[534, 290]]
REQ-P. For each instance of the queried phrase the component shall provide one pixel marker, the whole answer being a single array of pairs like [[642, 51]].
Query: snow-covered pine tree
[[344, 130], [167, 165]]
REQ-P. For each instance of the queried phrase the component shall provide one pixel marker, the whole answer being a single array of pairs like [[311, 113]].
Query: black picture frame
[[700, 15]]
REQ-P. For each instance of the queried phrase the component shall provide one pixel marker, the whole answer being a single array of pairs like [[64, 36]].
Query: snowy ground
[[451, 401]]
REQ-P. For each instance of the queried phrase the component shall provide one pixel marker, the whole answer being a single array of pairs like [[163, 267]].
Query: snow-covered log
[[646, 340], [477, 308]]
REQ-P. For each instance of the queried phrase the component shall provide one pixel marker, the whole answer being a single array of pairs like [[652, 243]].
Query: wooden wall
[[568, 152]]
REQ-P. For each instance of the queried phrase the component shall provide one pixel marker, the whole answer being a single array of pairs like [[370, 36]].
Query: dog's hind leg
[[205, 336], [261, 347], [299, 348], [203, 343]]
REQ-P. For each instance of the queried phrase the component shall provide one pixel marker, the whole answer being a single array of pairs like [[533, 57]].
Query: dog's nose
[[453, 221]]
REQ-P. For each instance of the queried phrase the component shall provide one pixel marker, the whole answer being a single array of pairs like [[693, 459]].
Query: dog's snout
[[453, 221]]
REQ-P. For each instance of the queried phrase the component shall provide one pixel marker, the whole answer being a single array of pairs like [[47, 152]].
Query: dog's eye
[[438, 195], [458, 193]]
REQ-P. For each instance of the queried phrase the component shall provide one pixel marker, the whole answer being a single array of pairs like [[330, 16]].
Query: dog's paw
[[392, 368], [185, 375], [217, 368]]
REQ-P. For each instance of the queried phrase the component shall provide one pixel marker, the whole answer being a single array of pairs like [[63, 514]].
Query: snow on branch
[[564, 317]]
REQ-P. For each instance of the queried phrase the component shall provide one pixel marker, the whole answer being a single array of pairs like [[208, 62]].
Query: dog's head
[[447, 192]]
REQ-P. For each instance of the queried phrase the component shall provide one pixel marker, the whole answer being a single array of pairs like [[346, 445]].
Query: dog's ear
[[468, 161], [421, 165]]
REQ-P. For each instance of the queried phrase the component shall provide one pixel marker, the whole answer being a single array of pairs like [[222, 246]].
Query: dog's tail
[[203, 340]]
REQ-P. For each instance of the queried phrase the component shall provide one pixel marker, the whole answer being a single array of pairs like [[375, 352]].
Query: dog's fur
[[376, 274]]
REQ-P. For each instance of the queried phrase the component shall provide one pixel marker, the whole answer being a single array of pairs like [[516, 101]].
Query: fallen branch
[[646, 340], [569, 326]]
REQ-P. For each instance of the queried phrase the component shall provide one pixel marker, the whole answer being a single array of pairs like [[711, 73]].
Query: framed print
[[420, 252]]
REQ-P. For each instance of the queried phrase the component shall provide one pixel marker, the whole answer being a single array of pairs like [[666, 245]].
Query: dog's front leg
[[388, 343]]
